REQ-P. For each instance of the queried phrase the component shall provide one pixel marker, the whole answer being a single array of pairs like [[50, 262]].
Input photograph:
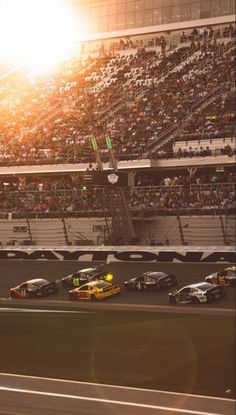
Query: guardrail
[[129, 191]]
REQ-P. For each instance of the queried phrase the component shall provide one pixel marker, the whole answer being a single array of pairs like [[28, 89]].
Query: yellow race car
[[94, 290]]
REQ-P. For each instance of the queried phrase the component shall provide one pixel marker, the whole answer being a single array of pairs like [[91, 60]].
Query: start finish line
[[124, 254]]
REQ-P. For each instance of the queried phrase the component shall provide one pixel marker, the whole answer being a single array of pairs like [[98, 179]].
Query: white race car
[[202, 292]]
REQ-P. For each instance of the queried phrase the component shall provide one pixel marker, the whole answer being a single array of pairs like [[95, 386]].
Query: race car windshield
[[102, 285], [157, 274], [205, 286], [38, 283], [87, 274]]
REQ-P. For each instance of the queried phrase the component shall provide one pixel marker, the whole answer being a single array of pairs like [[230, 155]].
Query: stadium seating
[[53, 119], [164, 107]]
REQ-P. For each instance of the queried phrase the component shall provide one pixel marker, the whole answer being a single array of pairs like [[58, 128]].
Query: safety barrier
[[177, 254]]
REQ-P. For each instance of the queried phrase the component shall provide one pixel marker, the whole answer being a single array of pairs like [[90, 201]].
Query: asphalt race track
[[13, 273], [22, 395], [25, 395]]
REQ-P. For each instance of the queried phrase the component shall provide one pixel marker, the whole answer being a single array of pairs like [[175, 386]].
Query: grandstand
[[160, 86]]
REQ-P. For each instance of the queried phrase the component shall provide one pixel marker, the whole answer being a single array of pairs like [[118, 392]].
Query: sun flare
[[36, 34]]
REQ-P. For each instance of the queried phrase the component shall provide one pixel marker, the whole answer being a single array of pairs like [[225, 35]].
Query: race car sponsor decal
[[112, 255]]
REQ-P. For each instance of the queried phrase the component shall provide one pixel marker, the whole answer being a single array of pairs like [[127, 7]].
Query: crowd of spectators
[[166, 106], [52, 119], [199, 202], [200, 151], [204, 190], [92, 202], [199, 177]]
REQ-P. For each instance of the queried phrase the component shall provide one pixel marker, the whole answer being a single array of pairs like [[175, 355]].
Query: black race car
[[36, 287], [151, 280], [201, 292], [226, 277], [85, 275]]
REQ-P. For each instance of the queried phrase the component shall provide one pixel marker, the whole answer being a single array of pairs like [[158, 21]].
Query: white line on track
[[114, 402], [34, 310], [115, 386]]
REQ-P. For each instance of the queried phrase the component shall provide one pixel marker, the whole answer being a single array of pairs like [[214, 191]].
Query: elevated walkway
[[213, 144]]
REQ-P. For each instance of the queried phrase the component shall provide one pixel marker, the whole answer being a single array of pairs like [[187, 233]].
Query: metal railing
[[200, 187], [154, 154], [136, 213], [143, 201]]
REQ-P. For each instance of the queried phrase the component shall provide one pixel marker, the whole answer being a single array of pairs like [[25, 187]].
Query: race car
[[85, 275], [225, 277], [36, 287], [94, 290], [151, 281], [202, 292]]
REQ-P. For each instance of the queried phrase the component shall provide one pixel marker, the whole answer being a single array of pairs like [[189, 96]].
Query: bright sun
[[36, 34]]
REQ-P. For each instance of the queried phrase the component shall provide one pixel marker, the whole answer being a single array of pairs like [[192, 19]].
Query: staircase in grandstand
[[169, 135], [121, 231]]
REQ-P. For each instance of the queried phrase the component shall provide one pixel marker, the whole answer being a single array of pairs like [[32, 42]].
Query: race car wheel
[[13, 295], [56, 288], [174, 282], [195, 300], [93, 297], [73, 297], [172, 300], [30, 295]]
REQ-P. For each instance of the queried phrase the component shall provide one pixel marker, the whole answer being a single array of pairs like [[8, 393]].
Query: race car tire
[[13, 295], [73, 297], [174, 282], [172, 300], [67, 284], [43, 293], [93, 297], [195, 300]]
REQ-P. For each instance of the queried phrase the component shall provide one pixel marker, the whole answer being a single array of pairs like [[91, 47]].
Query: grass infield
[[176, 352]]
